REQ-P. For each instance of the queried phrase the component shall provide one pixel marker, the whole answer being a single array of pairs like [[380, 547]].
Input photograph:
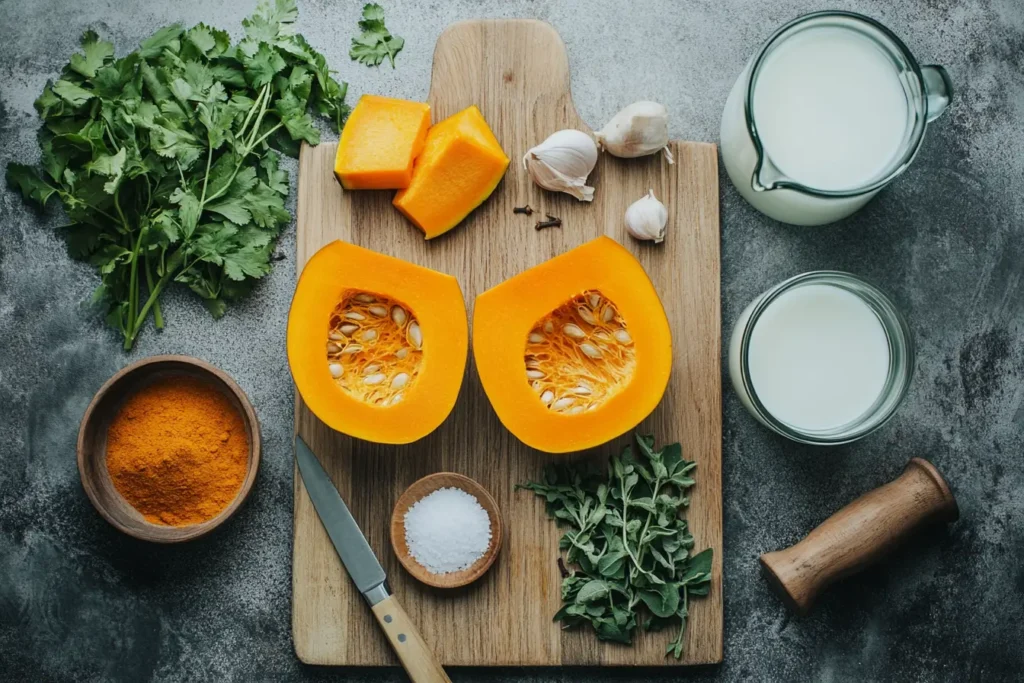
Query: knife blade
[[355, 552], [418, 660]]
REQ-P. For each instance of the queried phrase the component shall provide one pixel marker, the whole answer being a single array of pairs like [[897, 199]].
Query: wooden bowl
[[424, 487], [92, 445]]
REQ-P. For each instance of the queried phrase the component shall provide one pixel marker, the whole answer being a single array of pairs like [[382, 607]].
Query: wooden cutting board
[[518, 74]]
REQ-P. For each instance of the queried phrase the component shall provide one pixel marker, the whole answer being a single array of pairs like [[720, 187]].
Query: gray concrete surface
[[79, 602]]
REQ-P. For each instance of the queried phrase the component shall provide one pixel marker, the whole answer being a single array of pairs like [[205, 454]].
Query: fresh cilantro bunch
[[628, 541], [164, 159], [376, 42]]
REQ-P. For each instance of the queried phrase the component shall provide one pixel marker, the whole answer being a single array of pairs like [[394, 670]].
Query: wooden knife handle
[[860, 534], [417, 659]]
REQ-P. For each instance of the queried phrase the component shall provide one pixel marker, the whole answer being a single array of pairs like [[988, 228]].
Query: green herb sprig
[[376, 42], [164, 159], [628, 542]]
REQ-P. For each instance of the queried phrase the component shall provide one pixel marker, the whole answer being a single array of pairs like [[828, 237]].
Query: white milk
[[818, 357], [831, 113], [830, 109]]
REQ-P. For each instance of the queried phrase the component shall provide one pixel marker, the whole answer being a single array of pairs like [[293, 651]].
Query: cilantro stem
[[158, 317], [129, 339], [206, 176], [133, 293]]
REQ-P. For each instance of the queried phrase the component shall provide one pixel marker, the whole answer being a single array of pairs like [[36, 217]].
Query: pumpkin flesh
[[461, 165], [376, 345], [575, 351], [380, 142]]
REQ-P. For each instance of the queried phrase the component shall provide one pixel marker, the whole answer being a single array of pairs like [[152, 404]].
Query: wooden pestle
[[860, 534]]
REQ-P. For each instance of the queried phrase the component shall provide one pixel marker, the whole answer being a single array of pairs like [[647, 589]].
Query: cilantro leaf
[[163, 159], [376, 42]]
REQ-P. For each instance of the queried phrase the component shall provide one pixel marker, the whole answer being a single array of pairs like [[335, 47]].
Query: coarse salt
[[447, 531]]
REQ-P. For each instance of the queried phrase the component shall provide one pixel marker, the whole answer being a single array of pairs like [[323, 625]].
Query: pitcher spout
[[766, 175]]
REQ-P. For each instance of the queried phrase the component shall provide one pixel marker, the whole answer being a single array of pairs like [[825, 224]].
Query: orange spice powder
[[178, 451]]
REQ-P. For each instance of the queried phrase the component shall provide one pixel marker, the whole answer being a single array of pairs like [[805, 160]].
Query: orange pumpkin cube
[[459, 168], [380, 141]]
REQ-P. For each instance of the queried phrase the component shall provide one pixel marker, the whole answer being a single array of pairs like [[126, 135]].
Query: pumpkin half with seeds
[[377, 345], [576, 351]]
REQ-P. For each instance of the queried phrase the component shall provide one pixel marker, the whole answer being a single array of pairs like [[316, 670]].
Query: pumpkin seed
[[336, 336], [547, 397], [400, 354], [347, 330], [396, 398], [369, 335], [398, 315], [562, 404], [590, 350], [365, 298], [537, 386], [587, 316], [582, 390], [549, 327], [415, 334], [534, 374], [400, 380], [332, 347], [573, 331], [379, 311], [623, 336], [352, 315], [352, 348], [607, 314], [536, 338], [336, 370], [595, 301], [371, 368], [575, 410], [603, 336], [375, 378]]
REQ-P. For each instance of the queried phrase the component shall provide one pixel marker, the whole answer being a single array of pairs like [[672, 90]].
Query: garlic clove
[[638, 130], [646, 218], [562, 163]]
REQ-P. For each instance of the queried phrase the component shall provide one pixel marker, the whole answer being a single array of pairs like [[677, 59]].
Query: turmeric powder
[[178, 451]]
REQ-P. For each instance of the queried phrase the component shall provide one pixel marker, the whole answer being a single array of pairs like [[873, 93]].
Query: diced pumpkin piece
[[459, 168], [380, 141], [576, 351], [377, 345]]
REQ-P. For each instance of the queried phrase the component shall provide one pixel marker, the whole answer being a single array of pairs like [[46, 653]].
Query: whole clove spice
[[551, 222], [523, 210]]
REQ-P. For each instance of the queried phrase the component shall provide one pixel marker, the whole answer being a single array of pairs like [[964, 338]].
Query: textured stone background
[[80, 602]]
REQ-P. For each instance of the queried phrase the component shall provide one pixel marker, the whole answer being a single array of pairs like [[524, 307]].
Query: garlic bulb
[[562, 163], [638, 130], [646, 218]]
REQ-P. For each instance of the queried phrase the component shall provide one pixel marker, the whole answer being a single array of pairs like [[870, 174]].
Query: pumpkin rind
[[505, 315], [438, 305]]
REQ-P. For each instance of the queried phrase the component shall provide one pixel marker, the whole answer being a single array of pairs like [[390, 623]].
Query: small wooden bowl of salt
[[446, 530]]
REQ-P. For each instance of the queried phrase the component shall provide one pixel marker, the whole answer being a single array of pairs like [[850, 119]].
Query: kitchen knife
[[364, 569]]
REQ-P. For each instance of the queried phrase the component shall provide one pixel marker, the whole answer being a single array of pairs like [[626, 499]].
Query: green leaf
[[261, 68], [592, 590], [233, 209], [28, 181], [111, 166], [188, 211], [662, 600], [166, 38], [95, 53], [376, 42], [249, 261], [73, 94]]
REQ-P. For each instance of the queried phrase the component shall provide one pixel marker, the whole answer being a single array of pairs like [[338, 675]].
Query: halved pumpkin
[[576, 351], [377, 345]]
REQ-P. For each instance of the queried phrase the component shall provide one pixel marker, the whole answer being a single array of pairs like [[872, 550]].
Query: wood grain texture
[[860, 534], [417, 658], [517, 73], [422, 488]]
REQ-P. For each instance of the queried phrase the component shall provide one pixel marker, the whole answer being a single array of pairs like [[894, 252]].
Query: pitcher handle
[[938, 90]]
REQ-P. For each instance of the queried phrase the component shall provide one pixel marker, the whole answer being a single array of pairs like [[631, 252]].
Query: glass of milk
[[822, 358], [828, 112]]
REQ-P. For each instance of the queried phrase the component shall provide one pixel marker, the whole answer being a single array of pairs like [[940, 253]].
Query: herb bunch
[[375, 42], [628, 542], [165, 159]]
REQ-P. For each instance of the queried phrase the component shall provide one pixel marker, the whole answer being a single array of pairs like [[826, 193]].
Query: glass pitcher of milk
[[827, 113]]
